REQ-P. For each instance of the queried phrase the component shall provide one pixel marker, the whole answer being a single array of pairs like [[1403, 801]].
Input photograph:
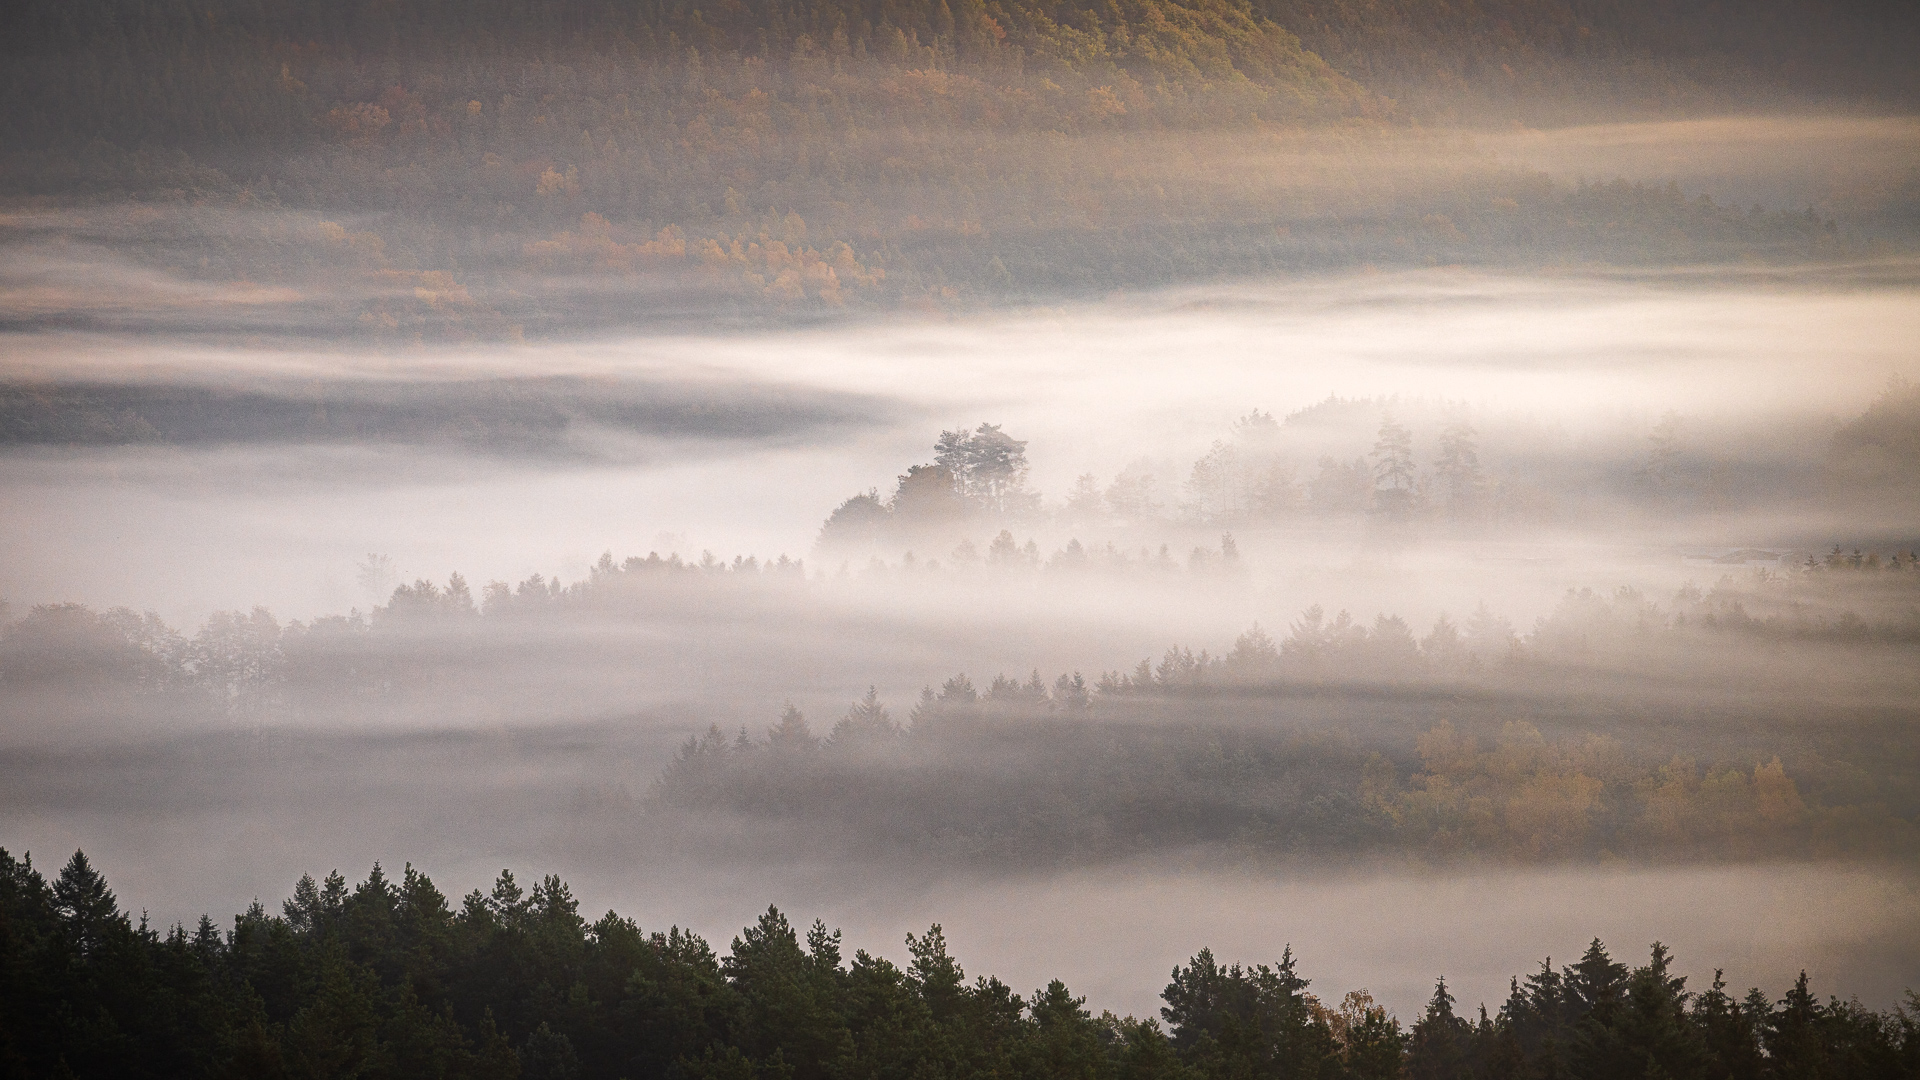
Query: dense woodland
[[1609, 731], [388, 978], [431, 171]]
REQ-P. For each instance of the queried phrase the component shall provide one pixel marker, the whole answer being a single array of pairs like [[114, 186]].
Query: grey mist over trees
[[1369, 491]]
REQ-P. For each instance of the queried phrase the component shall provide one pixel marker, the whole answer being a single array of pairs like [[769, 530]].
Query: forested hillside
[[199, 76], [389, 979], [1519, 58], [427, 170]]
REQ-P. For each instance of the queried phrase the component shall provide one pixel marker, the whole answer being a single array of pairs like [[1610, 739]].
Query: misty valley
[[1369, 539], [1618, 726], [1172, 695]]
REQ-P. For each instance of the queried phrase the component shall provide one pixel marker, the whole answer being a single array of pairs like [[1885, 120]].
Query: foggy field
[[1136, 491]]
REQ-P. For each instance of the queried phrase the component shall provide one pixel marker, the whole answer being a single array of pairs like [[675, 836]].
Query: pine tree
[[1732, 1042], [1458, 468], [1439, 1046], [1793, 1033], [88, 910], [1393, 473]]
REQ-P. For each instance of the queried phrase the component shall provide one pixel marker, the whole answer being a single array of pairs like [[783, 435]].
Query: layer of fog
[[1758, 369]]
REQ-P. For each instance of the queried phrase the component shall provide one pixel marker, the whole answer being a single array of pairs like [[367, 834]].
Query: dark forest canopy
[[389, 979]]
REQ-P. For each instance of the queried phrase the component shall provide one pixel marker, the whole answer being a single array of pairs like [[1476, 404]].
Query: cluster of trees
[[1436, 64], [1308, 744], [977, 480], [1585, 627], [1440, 476], [1023, 772], [765, 155], [1873, 455], [387, 978], [295, 53], [248, 665], [1443, 479], [232, 51], [978, 475], [1249, 477]]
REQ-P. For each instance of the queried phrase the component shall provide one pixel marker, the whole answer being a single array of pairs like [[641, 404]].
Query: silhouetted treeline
[[1617, 727], [390, 979], [1018, 772]]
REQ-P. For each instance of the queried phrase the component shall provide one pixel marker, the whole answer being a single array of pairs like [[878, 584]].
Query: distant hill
[[414, 168], [1542, 60], [200, 74], [206, 74]]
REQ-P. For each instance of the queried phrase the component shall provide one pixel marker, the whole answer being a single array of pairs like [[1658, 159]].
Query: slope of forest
[[134, 71], [458, 170], [388, 979], [1517, 58]]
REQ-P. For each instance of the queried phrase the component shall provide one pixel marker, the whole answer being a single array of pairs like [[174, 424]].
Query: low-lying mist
[[1422, 486], [280, 470]]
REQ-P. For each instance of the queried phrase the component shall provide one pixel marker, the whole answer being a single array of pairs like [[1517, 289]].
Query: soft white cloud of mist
[[1091, 387]]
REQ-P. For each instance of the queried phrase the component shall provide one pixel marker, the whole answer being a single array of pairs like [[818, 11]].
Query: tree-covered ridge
[[230, 53], [1026, 774], [388, 978], [432, 170], [285, 73]]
